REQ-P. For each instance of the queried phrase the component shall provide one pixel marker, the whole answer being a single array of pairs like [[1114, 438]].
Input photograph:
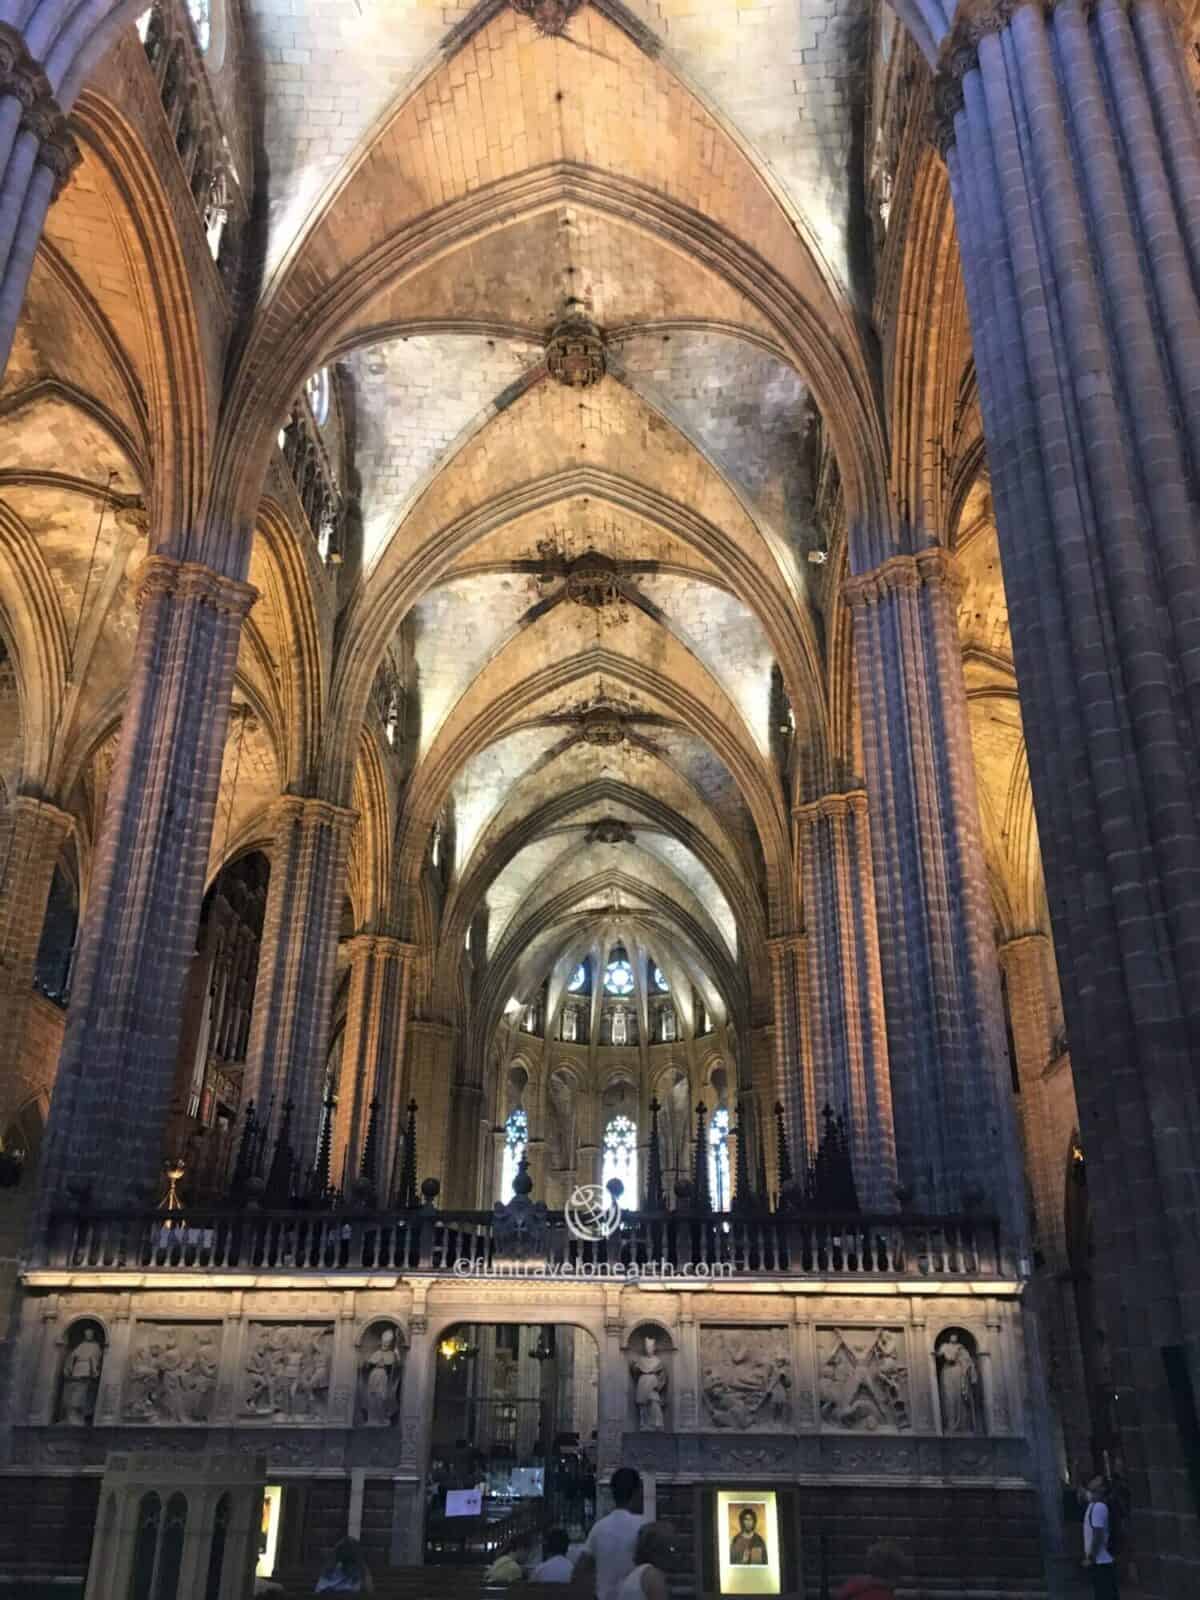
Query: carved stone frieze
[[287, 1371], [746, 1377], [863, 1379], [172, 1372]]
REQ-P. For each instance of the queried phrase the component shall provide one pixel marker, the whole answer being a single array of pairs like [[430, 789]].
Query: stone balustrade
[[478, 1244]]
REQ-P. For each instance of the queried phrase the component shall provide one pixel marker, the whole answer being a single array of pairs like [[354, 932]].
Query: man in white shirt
[[1097, 1557], [608, 1550], [555, 1566]]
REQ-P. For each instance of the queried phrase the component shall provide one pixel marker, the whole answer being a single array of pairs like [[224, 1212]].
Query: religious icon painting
[[748, 1553]]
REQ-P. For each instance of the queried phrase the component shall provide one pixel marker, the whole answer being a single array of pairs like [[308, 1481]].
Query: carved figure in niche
[[81, 1378], [748, 1381], [287, 1372], [172, 1374], [863, 1380], [381, 1380], [650, 1385], [958, 1385]]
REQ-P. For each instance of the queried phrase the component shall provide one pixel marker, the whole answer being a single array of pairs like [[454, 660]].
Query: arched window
[[618, 974], [516, 1138], [668, 1025], [660, 981], [718, 1159], [316, 391], [620, 1156], [200, 12], [578, 979]]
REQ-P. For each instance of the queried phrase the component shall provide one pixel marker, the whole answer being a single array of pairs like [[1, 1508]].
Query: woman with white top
[[648, 1580]]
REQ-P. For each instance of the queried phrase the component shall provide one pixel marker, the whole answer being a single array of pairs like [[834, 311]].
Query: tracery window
[[618, 976], [668, 1024], [316, 391], [660, 981], [578, 979], [570, 1025], [620, 1026], [516, 1139], [719, 1181], [200, 12], [620, 1156]]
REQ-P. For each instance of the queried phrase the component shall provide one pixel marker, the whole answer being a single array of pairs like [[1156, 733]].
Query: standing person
[[347, 1572], [648, 1579], [607, 1558], [1097, 1555], [885, 1568]]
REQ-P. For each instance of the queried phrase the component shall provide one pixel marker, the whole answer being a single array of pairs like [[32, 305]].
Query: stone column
[[32, 833], [37, 157], [847, 1059], [293, 997], [1035, 1016], [1085, 312], [956, 1143], [138, 932], [373, 1057], [793, 1084]]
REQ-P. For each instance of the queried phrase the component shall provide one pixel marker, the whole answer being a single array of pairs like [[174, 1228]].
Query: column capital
[[311, 813], [832, 805], [190, 580], [931, 568], [381, 944], [781, 944], [1014, 948], [27, 808]]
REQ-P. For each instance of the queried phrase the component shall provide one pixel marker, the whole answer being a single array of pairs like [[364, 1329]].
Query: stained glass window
[[201, 14], [317, 392], [719, 1181], [660, 981], [516, 1137], [618, 977], [578, 979], [620, 1157]]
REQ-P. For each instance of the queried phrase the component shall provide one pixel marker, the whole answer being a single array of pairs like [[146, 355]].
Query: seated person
[[556, 1566], [510, 1567], [347, 1572]]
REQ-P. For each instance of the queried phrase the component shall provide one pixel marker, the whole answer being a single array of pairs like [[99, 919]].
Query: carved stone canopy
[[549, 17], [575, 349]]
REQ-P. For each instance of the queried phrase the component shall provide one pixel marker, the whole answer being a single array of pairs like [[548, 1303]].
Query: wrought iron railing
[[468, 1243]]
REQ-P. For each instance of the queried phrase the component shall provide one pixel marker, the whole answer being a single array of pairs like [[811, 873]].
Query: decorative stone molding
[[189, 580], [932, 568], [22, 77], [575, 352]]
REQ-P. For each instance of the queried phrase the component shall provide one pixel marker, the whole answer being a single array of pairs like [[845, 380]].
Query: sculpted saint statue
[[380, 1371], [958, 1379], [81, 1377], [650, 1386]]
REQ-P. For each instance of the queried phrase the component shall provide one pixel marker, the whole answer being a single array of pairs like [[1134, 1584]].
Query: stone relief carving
[[649, 1372], [747, 1378], [863, 1379], [172, 1372], [381, 1369], [287, 1371], [958, 1383], [81, 1375]]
